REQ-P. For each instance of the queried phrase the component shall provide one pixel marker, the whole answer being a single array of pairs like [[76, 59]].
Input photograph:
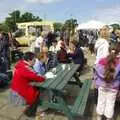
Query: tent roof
[[91, 25]]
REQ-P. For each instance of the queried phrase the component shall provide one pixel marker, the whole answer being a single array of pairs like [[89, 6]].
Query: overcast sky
[[59, 10]]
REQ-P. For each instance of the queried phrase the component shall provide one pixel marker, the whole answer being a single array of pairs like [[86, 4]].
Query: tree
[[10, 22], [57, 26], [28, 17], [70, 25], [17, 17], [4, 27], [115, 26]]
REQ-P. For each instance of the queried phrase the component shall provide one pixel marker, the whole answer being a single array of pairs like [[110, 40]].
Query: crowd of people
[[48, 53]]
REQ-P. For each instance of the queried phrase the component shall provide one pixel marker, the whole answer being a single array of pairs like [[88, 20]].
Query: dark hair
[[111, 63], [29, 56], [54, 41]]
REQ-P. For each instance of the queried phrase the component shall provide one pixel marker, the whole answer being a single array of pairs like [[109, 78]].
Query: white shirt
[[53, 49], [38, 41], [102, 47]]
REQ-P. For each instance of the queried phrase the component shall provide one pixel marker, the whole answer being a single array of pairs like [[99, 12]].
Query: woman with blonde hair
[[39, 65]]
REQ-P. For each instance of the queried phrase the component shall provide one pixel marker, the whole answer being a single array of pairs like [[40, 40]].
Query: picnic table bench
[[55, 88]]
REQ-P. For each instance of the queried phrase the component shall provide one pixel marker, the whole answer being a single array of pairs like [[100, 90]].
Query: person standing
[[4, 52], [107, 81], [39, 43], [102, 44]]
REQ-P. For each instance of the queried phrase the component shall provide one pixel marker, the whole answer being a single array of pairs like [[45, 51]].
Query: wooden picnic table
[[55, 90]]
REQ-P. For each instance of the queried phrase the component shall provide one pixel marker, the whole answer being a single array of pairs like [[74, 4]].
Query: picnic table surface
[[64, 74]]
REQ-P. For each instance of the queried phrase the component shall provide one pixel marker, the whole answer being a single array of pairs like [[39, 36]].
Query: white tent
[[91, 25]]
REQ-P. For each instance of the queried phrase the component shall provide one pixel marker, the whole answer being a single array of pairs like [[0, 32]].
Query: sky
[[106, 11]]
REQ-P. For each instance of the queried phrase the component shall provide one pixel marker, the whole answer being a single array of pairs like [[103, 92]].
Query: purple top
[[99, 77]]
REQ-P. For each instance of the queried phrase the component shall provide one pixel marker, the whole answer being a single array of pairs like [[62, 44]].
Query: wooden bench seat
[[81, 100]]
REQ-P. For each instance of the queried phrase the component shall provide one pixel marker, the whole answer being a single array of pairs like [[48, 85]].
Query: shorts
[[106, 101]]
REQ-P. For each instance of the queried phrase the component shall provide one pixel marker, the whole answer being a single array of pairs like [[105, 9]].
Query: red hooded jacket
[[22, 77]]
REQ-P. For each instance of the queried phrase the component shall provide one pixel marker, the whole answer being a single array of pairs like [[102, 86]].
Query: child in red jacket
[[21, 90]]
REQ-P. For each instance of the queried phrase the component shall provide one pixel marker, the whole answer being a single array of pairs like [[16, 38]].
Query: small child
[[107, 80], [39, 65]]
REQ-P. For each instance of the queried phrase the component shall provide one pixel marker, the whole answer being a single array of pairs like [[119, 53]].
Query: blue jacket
[[39, 67]]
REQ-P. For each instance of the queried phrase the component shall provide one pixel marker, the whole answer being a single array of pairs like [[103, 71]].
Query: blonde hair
[[74, 42], [45, 49], [40, 55]]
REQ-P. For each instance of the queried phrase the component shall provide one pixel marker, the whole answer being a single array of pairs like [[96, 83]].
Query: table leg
[[58, 105], [78, 81]]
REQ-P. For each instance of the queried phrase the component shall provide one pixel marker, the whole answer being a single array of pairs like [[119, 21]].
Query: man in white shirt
[[53, 48], [39, 43]]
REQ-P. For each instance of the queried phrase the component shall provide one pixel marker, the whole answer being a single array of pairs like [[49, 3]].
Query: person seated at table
[[53, 54], [52, 61], [21, 92], [54, 48], [39, 65], [62, 54], [76, 54]]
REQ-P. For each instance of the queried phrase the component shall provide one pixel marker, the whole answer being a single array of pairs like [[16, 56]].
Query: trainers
[[99, 117]]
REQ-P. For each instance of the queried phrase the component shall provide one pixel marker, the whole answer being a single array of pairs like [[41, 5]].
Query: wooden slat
[[84, 99], [67, 77], [60, 78], [48, 82], [79, 98]]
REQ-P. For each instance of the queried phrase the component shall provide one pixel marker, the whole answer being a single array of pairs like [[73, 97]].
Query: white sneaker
[[99, 117], [40, 116], [109, 119]]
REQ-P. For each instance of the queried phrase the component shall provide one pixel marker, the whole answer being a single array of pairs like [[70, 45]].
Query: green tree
[[28, 17], [4, 27], [70, 25], [57, 26], [17, 17], [115, 26]]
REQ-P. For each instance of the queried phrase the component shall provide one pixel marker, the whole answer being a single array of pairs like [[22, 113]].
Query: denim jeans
[[3, 79]]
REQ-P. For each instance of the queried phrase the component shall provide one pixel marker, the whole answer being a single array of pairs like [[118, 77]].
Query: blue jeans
[[3, 79]]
